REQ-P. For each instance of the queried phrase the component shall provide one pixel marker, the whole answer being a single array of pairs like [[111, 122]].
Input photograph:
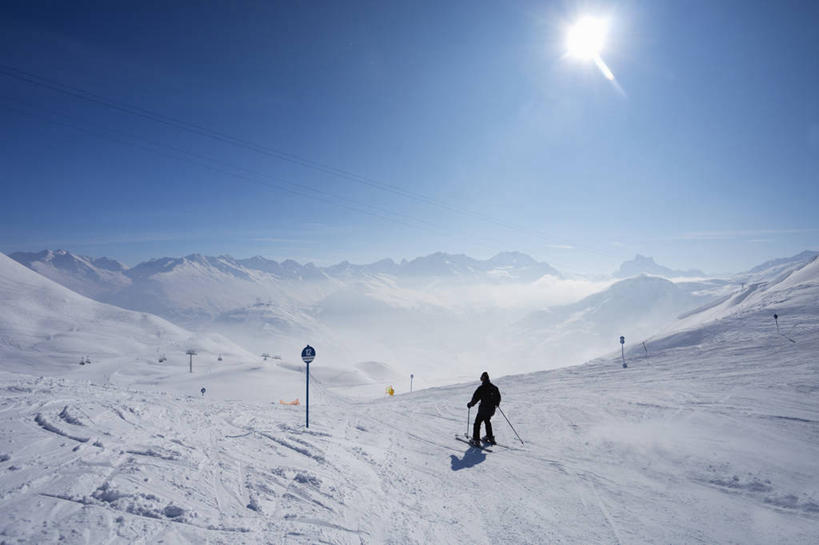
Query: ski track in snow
[[611, 457], [712, 439]]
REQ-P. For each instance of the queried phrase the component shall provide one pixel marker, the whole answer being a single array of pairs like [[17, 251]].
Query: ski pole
[[511, 426], [468, 410]]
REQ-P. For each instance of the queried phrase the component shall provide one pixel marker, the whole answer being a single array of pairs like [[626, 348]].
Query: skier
[[489, 396]]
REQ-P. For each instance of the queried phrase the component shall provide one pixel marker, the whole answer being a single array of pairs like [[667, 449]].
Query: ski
[[495, 444], [468, 442], [502, 446]]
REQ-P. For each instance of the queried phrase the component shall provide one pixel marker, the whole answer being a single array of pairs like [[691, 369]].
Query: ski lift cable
[[217, 166], [89, 96], [220, 167], [180, 154]]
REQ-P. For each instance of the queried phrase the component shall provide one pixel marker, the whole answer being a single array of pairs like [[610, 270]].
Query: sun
[[586, 38]]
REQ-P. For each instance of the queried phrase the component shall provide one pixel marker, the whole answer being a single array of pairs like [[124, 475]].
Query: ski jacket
[[489, 396]]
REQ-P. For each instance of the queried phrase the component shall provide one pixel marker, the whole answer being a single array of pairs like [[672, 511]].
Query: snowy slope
[[713, 438], [46, 328], [636, 307], [774, 267], [784, 294], [42, 317]]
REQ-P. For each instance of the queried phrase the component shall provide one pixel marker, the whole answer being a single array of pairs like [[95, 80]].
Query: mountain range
[[480, 310], [505, 265]]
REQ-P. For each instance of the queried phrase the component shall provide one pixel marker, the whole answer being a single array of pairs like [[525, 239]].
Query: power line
[[137, 111], [216, 166], [83, 94], [250, 176]]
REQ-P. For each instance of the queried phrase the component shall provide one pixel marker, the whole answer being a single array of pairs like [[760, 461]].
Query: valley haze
[[439, 317]]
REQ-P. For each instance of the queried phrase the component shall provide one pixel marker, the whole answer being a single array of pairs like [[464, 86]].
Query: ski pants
[[476, 429]]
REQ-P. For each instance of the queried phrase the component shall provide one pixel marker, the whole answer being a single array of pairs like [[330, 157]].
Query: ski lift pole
[[511, 426], [190, 353]]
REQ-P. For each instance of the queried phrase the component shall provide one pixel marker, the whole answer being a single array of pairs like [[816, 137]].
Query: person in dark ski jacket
[[489, 397]]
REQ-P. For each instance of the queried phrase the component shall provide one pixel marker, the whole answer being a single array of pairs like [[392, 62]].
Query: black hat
[[484, 377]]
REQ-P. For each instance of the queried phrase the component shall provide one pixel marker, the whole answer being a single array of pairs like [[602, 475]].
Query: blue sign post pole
[[307, 355]]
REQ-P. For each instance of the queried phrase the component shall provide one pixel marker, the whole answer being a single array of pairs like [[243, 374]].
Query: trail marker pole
[[776, 319], [307, 355], [622, 350], [411, 377]]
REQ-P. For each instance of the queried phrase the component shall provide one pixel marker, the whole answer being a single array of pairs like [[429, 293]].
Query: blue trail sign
[[307, 355]]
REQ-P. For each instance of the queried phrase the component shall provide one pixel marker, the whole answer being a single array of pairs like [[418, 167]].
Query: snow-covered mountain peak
[[67, 261], [88, 275], [154, 266], [646, 265], [512, 259], [108, 264]]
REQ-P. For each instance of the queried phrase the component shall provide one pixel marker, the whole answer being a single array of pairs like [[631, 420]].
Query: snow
[[713, 437], [437, 316], [46, 328]]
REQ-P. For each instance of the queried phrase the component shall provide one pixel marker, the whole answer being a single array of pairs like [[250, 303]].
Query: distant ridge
[[802, 257], [646, 265], [505, 265]]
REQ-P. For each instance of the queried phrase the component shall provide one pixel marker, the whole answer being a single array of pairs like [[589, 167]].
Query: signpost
[[622, 350], [307, 355]]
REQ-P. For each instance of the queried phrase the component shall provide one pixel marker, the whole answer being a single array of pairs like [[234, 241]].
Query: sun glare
[[586, 38]]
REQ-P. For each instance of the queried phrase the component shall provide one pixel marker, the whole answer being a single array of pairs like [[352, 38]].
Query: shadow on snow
[[472, 457]]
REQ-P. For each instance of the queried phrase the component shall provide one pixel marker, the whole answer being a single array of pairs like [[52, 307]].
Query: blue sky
[[459, 127]]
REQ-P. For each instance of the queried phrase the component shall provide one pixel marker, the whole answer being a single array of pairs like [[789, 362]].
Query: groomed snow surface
[[712, 437]]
